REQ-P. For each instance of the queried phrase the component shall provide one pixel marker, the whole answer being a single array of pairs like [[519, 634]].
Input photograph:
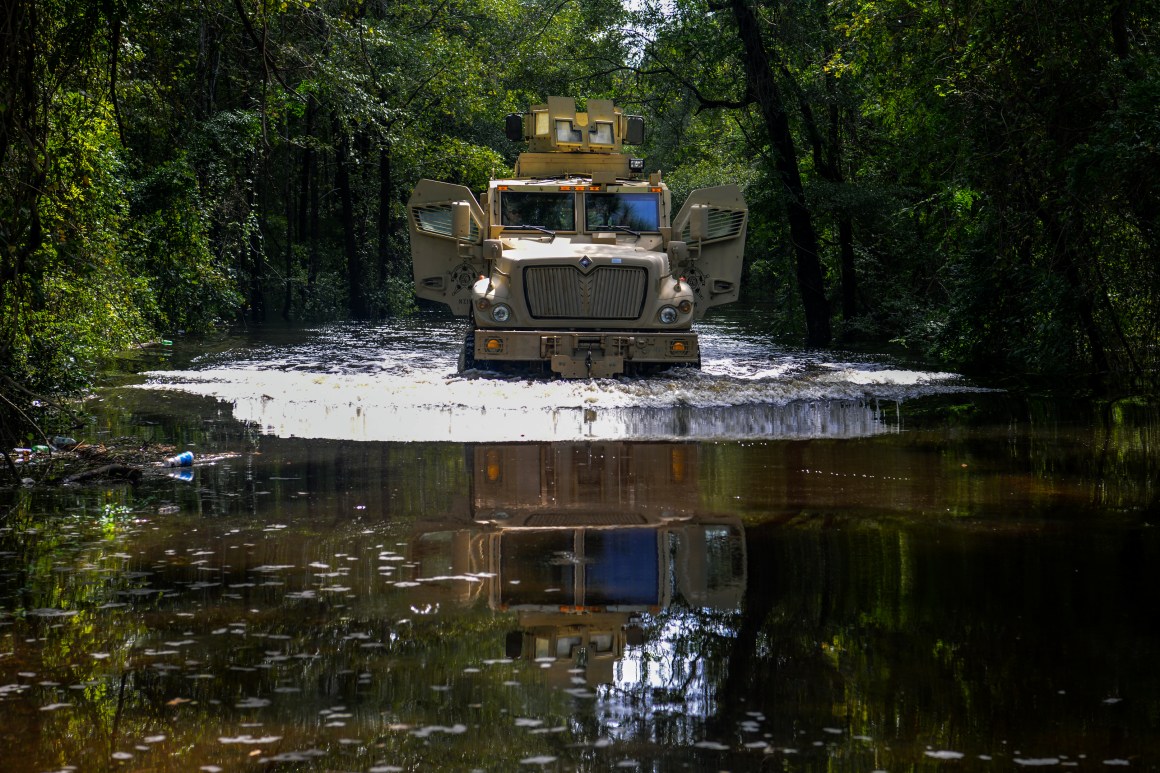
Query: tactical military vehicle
[[576, 265], [579, 543]]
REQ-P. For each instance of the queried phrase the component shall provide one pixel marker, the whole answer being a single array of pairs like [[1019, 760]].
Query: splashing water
[[398, 382]]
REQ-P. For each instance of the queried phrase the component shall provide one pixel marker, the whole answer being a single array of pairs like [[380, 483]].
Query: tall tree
[[763, 89], [679, 54]]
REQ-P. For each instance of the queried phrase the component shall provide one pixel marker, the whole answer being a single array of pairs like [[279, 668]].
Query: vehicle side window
[[637, 211], [554, 211]]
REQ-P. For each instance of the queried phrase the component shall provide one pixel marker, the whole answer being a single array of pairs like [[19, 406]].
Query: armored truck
[[576, 265]]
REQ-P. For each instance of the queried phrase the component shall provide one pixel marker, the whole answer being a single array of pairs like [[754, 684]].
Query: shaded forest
[[975, 180]]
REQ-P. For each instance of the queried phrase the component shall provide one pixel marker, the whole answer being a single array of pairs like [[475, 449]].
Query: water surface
[[786, 561]]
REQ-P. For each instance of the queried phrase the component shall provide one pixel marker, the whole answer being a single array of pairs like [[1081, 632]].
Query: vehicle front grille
[[566, 292]]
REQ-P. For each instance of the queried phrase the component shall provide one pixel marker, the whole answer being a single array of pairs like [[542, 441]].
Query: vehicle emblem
[[585, 262]]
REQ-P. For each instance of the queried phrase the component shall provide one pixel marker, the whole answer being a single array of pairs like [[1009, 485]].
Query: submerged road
[[397, 381]]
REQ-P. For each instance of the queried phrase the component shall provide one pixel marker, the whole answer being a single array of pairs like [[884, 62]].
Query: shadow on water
[[908, 576]]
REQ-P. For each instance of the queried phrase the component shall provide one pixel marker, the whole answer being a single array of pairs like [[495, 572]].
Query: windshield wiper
[[539, 228], [624, 228]]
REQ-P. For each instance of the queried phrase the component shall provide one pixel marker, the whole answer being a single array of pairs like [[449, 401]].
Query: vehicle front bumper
[[575, 354]]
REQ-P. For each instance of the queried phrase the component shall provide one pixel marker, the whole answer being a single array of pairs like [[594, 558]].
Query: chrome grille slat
[[553, 292], [566, 292]]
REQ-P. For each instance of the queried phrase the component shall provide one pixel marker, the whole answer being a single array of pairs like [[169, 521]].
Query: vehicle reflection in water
[[908, 598], [584, 542]]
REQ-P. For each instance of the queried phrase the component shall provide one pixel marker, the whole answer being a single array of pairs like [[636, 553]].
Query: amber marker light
[[493, 345], [685, 307], [677, 464], [679, 346], [494, 470]]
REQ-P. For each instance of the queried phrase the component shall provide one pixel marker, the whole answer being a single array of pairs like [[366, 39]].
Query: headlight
[[501, 313], [668, 315]]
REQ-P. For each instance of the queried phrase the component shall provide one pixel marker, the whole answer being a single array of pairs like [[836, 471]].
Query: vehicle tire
[[642, 369], [467, 351]]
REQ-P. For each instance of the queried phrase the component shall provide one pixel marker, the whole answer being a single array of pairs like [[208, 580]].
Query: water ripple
[[398, 381]]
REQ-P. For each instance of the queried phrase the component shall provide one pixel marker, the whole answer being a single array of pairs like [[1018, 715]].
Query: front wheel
[[467, 351]]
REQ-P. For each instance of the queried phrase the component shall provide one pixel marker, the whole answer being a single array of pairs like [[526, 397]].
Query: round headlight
[[501, 313], [668, 315]]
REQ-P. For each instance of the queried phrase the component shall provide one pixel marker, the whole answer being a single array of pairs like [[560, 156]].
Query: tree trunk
[[253, 251], [308, 190], [849, 273], [384, 212], [354, 271], [288, 269], [313, 254], [1083, 304], [763, 89]]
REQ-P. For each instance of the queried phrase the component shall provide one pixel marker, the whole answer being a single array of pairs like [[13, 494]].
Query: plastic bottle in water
[[184, 459]]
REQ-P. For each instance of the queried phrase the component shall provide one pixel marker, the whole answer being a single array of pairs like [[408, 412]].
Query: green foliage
[[453, 160], [75, 302], [169, 243], [993, 171]]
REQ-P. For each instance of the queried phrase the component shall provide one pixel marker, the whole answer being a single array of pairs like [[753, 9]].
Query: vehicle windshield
[[631, 211], [542, 209]]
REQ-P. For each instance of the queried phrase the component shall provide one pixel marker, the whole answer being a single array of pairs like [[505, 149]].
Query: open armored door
[[447, 226], [712, 225]]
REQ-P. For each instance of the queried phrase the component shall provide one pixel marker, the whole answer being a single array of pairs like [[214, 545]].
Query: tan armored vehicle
[[580, 542], [577, 264]]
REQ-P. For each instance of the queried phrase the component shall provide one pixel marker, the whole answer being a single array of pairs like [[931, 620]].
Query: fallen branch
[[120, 471], [11, 466]]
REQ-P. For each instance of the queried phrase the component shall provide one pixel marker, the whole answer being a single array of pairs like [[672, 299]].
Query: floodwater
[[785, 561]]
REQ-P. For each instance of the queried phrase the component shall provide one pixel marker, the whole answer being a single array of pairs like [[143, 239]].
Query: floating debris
[[424, 732], [249, 739]]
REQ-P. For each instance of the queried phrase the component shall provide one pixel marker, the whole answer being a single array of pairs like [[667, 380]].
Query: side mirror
[[678, 252], [699, 222], [460, 219], [634, 130], [513, 127]]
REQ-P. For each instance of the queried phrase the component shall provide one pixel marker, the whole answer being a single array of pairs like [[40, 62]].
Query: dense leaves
[[974, 179], [977, 186]]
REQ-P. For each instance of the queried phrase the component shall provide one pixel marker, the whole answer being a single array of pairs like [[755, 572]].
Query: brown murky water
[[783, 562]]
